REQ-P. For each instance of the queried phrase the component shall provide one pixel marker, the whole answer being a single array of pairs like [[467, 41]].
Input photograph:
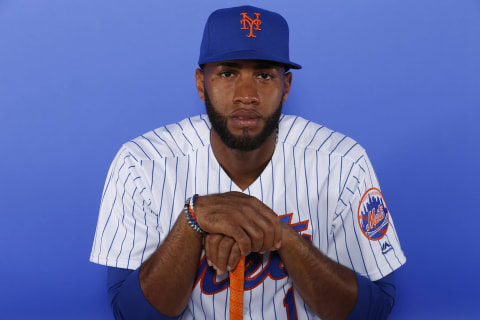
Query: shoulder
[[306, 134], [172, 140]]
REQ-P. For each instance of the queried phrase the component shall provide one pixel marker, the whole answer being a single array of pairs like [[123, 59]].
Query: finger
[[256, 235], [234, 257], [224, 248], [243, 241], [211, 248], [258, 227], [267, 228], [274, 221]]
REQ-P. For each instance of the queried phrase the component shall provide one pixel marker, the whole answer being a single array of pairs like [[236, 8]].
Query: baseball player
[[298, 203]]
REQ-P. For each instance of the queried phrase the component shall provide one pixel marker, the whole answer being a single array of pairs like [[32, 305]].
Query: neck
[[243, 167]]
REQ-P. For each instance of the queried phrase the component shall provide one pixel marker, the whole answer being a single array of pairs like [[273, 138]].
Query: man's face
[[243, 99]]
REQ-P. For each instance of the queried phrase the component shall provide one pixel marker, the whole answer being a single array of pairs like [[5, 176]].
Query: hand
[[252, 225], [222, 252]]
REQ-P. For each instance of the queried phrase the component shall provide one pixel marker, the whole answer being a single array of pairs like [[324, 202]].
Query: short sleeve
[[363, 231], [127, 228]]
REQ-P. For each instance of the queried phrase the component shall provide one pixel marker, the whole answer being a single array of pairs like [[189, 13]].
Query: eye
[[226, 74], [264, 76]]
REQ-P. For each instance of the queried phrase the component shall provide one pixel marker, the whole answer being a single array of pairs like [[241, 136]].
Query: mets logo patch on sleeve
[[373, 214]]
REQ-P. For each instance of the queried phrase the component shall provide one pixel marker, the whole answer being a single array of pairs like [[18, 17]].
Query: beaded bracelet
[[190, 214]]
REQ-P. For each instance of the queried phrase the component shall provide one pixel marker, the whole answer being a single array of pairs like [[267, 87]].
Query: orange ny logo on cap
[[251, 23]]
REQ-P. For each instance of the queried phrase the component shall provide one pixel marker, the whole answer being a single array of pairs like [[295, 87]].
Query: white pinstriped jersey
[[316, 180]]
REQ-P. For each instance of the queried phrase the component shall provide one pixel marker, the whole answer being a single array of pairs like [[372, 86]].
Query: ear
[[199, 80], [287, 82]]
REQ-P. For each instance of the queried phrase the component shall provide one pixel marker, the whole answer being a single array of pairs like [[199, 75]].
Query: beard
[[243, 142]]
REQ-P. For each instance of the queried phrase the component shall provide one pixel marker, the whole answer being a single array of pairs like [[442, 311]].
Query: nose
[[246, 91]]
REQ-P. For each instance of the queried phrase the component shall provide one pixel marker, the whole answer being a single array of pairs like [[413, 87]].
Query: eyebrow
[[258, 66]]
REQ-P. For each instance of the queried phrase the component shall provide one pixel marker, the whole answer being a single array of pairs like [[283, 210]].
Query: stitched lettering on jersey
[[373, 215], [254, 273]]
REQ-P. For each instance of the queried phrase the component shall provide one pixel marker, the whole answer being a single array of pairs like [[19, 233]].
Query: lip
[[245, 118], [245, 114]]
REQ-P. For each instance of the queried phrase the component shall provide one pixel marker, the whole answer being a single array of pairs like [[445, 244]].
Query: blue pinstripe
[[346, 244], [340, 178], [196, 165], [263, 284], [206, 123], [226, 303], [151, 145], [296, 184], [378, 242], [303, 130], [208, 167], [328, 188], [114, 236], [191, 145], [201, 304], [273, 186], [213, 302], [146, 238], [250, 305], [134, 234], [374, 256], [318, 203], [153, 170], [321, 145], [123, 224], [123, 219], [335, 246], [273, 298], [173, 197], [314, 135], [291, 126], [131, 155], [359, 158], [355, 144], [284, 177], [358, 242], [186, 180], [174, 140], [155, 133], [161, 199], [393, 250], [103, 195], [201, 141], [140, 149], [111, 209], [369, 173], [110, 178]]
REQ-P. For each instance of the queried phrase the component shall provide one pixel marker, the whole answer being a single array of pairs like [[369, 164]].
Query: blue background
[[80, 77]]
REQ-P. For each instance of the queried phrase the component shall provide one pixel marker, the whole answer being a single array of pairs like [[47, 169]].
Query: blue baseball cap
[[246, 33]]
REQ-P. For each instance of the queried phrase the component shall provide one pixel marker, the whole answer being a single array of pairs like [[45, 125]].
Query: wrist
[[189, 211], [199, 205], [289, 236]]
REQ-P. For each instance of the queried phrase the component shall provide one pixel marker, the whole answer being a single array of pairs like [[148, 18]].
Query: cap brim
[[248, 55]]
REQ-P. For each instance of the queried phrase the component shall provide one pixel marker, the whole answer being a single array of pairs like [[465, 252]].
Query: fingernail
[[278, 245], [209, 263], [229, 268], [262, 252]]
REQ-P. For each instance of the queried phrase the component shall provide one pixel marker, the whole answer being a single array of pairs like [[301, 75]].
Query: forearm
[[328, 288], [167, 277]]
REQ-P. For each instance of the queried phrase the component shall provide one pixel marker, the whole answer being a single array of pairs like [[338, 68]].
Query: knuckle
[[257, 235], [225, 244]]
